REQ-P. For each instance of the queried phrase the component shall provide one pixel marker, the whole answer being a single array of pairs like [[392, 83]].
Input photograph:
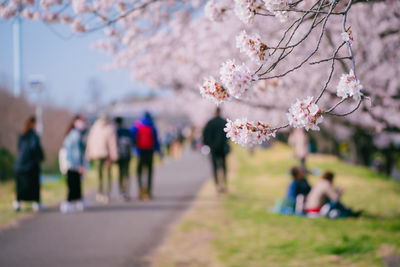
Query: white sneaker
[[37, 206], [66, 207], [333, 214], [325, 209], [16, 205]]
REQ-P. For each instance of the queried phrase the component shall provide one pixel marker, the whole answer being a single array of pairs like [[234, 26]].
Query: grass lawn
[[256, 237]]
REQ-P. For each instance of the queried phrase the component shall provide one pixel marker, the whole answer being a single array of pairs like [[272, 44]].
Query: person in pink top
[[103, 149]]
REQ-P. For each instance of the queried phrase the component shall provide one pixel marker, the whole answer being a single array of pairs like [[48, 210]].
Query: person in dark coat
[[215, 138], [125, 145], [30, 155]]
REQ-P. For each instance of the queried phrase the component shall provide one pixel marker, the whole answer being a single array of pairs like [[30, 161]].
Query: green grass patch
[[256, 237]]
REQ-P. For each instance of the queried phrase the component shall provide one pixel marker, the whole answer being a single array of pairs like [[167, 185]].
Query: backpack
[[124, 147], [62, 160], [145, 137]]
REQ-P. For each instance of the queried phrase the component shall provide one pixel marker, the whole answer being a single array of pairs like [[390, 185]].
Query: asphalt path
[[117, 234]]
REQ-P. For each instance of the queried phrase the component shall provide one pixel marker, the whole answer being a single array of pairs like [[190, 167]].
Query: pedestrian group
[[103, 145]]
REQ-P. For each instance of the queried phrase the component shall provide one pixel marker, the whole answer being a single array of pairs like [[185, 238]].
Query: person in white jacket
[[103, 149], [300, 144]]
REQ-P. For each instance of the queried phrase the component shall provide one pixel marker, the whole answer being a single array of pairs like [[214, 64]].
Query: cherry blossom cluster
[[305, 114], [347, 36], [248, 133], [213, 90], [246, 9], [252, 46], [78, 26], [46, 10], [214, 11], [236, 78], [349, 86], [8, 11], [274, 6]]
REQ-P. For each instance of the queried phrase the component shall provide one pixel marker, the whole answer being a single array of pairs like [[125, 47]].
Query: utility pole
[[36, 85], [17, 55]]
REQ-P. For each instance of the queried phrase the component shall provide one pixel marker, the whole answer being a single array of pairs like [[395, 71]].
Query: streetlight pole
[[17, 55], [36, 84]]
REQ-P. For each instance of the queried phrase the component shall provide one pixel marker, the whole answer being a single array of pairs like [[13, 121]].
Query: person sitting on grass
[[298, 189], [296, 194], [299, 185], [324, 200]]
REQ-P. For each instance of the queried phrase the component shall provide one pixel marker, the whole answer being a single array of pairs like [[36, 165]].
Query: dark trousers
[[28, 185], [74, 185], [123, 166], [218, 162], [145, 161], [100, 165], [344, 211]]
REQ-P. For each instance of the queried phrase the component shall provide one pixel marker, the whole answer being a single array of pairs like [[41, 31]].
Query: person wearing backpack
[[144, 134], [125, 145], [102, 148]]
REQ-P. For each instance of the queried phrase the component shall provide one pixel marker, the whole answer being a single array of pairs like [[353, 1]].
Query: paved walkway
[[117, 234]]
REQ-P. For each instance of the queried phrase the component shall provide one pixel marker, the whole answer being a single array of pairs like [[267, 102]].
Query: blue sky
[[67, 65]]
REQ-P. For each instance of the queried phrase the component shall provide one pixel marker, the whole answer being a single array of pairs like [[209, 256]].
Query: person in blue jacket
[[297, 190], [145, 138], [75, 160], [299, 184]]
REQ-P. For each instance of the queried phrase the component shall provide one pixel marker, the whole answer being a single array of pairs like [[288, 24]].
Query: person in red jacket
[[145, 139]]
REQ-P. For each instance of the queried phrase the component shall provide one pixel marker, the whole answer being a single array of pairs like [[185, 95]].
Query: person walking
[[102, 148], [215, 138], [300, 144], [145, 137], [30, 155], [125, 145], [75, 164]]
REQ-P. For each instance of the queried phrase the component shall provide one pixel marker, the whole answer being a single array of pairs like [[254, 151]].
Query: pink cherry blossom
[[214, 91], [305, 114], [248, 133], [236, 78], [349, 86], [252, 46]]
